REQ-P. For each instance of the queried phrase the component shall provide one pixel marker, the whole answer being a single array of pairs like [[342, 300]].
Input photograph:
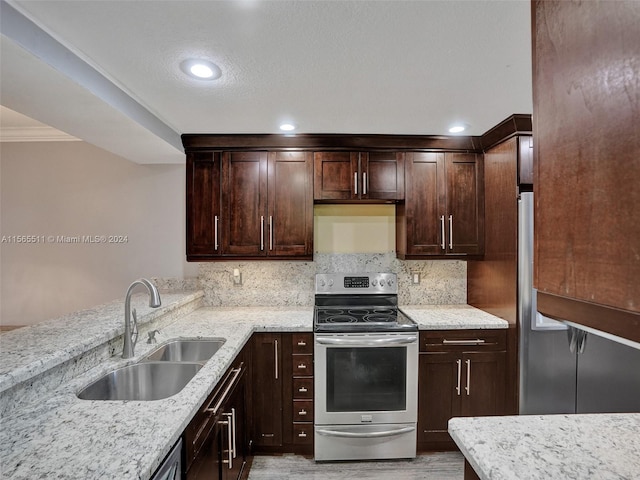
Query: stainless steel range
[[366, 369]]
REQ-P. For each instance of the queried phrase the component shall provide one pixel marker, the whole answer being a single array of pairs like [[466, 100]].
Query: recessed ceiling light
[[458, 127], [201, 69], [287, 127]]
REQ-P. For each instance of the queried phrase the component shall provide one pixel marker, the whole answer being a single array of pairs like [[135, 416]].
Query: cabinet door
[[208, 464], [267, 389], [465, 205], [203, 204], [587, 161], [234, 445], [336, 176], [382, 175], [483, 384], [425, 203], [439, 387], [244, 199], [290, 188]]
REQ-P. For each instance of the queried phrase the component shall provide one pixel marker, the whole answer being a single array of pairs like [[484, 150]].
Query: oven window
[[364, 379]]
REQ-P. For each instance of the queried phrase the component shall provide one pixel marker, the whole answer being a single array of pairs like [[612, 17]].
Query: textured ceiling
[[395, 67]]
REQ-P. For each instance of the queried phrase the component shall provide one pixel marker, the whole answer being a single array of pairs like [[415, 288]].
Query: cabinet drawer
[[302, 365], [302, 433], [303, 410], [302, 343], [463, 340], [303, 388]]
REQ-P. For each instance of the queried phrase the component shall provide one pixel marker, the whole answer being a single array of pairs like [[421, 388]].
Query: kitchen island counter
[[542, 447]]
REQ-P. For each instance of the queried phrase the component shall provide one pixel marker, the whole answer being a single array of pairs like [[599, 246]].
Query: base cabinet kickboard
[[460, 373]]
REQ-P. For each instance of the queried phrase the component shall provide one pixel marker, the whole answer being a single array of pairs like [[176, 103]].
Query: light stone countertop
[[29, 351], [452, 317], [64, 437], [544, 447]]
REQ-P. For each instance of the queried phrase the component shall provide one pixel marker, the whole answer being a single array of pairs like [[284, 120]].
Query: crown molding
[[35, 134]]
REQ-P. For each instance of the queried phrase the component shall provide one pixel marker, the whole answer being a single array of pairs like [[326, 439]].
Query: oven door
[[368, 378]]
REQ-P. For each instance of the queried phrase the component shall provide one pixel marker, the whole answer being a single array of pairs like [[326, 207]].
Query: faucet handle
[[152, 336]]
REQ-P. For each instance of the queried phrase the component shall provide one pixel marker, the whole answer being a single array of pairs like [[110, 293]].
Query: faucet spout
[[131, 329]]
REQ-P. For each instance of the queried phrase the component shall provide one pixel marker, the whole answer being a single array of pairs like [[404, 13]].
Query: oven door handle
[[347, 342], [386, 433]]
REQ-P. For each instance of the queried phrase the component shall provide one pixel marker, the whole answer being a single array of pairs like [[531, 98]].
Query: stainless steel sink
[[142, 381], [186, 350]]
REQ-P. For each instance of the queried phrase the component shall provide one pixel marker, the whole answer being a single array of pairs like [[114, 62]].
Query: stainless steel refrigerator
[[565, 368]]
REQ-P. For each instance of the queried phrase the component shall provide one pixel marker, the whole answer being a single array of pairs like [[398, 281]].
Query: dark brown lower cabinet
[[267, 382], [461, 374], [216, 442], [282, 400]]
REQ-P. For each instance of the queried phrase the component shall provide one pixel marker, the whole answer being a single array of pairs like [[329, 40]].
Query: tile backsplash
[[282, 283]]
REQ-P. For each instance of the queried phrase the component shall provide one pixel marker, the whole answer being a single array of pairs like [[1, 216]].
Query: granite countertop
[[543, 447], [67, 438], [452, 317], [61, 436], [29, 351]]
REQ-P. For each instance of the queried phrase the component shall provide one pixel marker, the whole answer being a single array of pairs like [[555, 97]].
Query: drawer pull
[[302, 366], [268, 435], [477, 341], [303, 390], [302, 435], [302, 343], [302, 412]]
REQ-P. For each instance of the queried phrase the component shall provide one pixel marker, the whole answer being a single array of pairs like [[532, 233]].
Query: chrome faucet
[[131, 333]]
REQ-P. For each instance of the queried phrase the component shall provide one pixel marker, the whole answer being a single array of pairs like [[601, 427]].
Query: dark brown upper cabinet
[[203, 204], [587, 163], [249, 205], [443, 213], [357, 176]]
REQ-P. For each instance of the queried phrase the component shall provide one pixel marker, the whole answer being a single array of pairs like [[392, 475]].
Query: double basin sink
[[160, 374]]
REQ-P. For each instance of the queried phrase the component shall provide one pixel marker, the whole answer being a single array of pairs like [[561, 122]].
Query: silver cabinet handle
[[270, 232], [215, 232], [442, 225], [386, 433], [233, 425], [235, 372], [302, 343], [371, 342], [355, 183], [459, 363], [302, 412], [468, 387], [364, 183], [303, 390], [477, 341], [450, 232], [227, 422], [275, 355], [261, 233], [302, 366], [302, 434]]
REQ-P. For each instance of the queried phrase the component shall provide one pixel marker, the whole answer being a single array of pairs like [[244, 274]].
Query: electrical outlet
[[415, 278]]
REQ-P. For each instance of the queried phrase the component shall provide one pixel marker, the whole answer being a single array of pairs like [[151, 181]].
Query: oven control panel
[[356, 283]]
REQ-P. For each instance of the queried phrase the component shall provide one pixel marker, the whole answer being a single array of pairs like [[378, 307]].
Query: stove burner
[[379, 318], [341, 319]]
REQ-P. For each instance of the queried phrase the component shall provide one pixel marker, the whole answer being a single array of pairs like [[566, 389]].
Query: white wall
[[75, 189]]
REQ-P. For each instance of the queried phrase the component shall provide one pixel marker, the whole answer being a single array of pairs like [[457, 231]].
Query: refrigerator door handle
[[582, 341], [572, 335]]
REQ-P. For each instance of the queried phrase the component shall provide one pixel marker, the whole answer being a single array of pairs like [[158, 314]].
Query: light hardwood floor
[[432, 466]]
